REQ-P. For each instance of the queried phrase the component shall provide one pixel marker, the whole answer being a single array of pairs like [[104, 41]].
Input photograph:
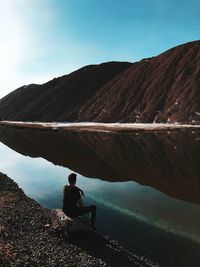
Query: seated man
[[73, 204]]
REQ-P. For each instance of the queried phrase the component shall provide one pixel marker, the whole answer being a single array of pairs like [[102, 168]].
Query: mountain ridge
[[164, 88]]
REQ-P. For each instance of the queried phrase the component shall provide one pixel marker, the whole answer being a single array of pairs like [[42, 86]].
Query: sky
[[43, 39]]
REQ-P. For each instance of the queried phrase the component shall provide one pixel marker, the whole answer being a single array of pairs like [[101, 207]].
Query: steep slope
[[161, 89]]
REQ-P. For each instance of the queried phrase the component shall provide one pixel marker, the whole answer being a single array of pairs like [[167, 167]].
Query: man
[[73, 204]]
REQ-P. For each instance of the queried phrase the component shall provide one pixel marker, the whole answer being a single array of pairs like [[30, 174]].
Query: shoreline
[[27, 240], [101, 127]]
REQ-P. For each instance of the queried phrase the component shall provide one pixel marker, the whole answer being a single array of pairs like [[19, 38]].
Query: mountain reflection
[[167, 161]]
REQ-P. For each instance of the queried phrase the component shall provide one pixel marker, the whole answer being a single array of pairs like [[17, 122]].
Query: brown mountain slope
[[161, 89], [165, 88]]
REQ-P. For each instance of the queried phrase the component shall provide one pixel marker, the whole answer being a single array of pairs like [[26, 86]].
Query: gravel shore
[[27, 240]]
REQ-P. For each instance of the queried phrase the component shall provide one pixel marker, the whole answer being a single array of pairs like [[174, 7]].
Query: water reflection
[[167, 161], [44, 182], [127, 165]]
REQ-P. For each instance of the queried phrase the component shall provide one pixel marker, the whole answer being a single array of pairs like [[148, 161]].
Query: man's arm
[[80, 203]]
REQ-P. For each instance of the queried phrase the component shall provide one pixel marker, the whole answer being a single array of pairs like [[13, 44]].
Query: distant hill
[[165, 88]]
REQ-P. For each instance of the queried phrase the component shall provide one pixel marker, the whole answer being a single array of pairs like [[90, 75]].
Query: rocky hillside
[[164, 88]]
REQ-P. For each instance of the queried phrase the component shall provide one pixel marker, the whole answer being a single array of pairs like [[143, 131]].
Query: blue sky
[[43, 39]]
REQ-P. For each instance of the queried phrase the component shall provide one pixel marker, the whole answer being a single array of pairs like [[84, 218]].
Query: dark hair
[[72, 178]]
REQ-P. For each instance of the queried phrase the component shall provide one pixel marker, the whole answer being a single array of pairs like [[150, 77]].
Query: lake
[[146, 185]]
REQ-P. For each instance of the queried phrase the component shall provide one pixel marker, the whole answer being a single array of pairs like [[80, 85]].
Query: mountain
[[164, 88]]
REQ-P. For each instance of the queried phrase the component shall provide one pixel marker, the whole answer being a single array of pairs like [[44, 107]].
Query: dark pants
[[81, 211]]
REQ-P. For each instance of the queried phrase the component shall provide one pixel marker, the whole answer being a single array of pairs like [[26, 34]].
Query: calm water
[[140, 182]]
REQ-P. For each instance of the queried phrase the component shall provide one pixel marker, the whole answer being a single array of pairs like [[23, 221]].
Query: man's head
[[72, 179]]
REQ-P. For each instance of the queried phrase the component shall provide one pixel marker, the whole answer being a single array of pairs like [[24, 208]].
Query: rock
[[60, 220]]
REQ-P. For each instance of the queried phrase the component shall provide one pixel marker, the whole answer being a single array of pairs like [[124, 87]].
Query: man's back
[[71, 196]]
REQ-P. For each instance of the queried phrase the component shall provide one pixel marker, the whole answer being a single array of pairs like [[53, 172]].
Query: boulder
[[60, 220]]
